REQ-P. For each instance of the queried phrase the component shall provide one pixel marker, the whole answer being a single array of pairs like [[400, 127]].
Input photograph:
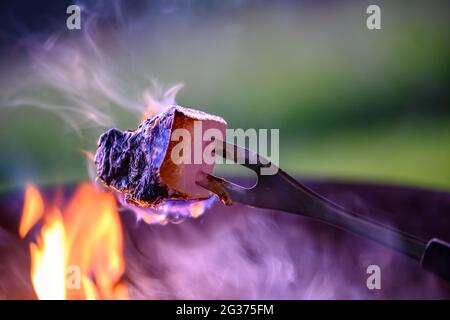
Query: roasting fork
[[282, 192]]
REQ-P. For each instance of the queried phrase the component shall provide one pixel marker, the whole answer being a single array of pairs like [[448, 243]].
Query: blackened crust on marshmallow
[[130, 161]]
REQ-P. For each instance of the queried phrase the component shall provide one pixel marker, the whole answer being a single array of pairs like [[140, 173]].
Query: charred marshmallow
[[141, 165]]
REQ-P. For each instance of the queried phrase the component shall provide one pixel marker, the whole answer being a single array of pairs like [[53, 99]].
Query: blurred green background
[[350, 103]]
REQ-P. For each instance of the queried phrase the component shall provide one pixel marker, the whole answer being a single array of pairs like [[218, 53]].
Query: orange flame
[[33, 209], [152, 108], [48, 260], [79, 254]]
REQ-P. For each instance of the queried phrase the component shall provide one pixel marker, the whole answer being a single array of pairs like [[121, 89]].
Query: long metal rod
[[282, 192], [304, 201]]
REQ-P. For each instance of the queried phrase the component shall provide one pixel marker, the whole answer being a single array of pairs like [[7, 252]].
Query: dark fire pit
[[244, 253]]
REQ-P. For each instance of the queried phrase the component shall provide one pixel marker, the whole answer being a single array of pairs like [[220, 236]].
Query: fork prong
[[215, 185], [225, 190], [242, 156]]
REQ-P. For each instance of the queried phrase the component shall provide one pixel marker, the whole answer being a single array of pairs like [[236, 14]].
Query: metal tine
[[224, 189], [228, 191], [242, 156], [280, 185]]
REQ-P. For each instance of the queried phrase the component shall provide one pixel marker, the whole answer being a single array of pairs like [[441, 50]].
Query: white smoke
[[86, 79]]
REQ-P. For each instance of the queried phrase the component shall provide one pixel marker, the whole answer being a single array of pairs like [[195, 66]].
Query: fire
[[152, 108], [33, 209], [79, 252], [171, 211], [48, 260]]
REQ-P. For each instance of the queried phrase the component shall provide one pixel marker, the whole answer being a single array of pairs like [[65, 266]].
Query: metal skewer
[[293, 197]]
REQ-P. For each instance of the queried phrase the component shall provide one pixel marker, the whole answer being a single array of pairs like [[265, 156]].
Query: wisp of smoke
[[85, 79]]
